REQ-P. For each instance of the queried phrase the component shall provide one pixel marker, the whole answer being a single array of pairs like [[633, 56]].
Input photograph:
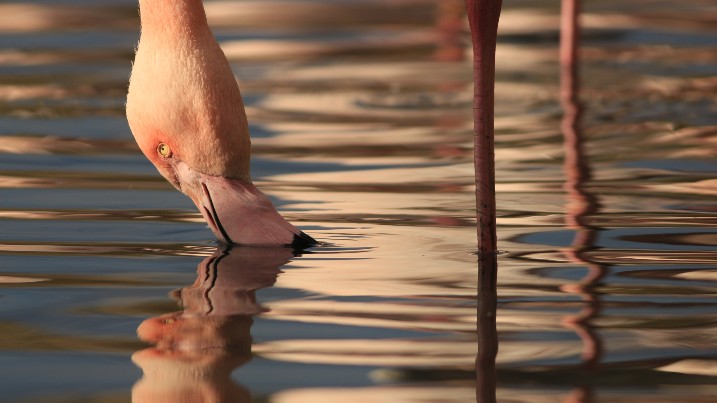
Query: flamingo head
[[187, 115], [236, 211]]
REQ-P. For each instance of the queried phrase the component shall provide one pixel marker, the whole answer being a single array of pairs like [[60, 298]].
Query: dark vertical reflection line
[[487, 347], [581, 204]]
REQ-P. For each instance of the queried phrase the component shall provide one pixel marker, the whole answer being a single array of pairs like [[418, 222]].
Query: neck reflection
[[195, 350]]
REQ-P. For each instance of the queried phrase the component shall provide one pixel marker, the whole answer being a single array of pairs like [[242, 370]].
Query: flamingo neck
[[183, 92], [173, 16]]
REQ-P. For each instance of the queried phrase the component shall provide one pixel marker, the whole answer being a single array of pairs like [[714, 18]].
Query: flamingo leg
[[483, 16]]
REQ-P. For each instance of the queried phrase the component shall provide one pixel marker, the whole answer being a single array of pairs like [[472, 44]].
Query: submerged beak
[[237, 212]]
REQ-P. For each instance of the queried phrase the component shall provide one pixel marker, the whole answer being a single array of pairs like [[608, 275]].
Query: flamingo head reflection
[[195, 350]]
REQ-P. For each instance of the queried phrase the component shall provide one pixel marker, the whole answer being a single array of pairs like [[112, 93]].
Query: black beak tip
[[302, 241]]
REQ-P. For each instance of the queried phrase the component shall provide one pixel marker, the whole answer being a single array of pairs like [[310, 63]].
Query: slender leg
[[483, 16]]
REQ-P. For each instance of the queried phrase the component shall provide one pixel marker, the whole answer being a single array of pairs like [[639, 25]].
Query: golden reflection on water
[[605, 289]]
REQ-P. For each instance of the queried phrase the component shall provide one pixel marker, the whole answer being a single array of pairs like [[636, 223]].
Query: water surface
[[113, 289]]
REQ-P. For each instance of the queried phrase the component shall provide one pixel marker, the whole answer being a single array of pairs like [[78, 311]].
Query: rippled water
[[113, 289]]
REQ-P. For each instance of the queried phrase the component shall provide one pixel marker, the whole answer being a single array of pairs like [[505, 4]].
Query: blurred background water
[[113, 289]]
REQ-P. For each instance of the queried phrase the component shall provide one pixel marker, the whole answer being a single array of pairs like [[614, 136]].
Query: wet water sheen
[[112, 288]]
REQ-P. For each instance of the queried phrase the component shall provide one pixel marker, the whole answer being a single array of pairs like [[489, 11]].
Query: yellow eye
[[164, 150]]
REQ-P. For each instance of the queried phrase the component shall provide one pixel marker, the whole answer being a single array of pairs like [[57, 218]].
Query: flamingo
[[186, 113]]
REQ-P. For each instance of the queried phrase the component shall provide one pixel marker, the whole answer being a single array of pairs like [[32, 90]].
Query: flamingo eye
[[164, 150]]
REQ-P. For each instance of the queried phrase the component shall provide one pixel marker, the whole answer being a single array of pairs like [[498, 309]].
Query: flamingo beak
[[237, 212]]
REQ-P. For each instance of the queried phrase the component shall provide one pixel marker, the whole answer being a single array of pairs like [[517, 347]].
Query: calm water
[[112, 289]]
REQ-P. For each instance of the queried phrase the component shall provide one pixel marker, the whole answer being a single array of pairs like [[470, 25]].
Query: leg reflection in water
[[195, 350]]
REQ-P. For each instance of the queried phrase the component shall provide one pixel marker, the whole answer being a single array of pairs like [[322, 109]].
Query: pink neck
[[172, 16]]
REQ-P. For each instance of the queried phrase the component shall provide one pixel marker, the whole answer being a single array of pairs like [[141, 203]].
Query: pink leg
[[569, 39]]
